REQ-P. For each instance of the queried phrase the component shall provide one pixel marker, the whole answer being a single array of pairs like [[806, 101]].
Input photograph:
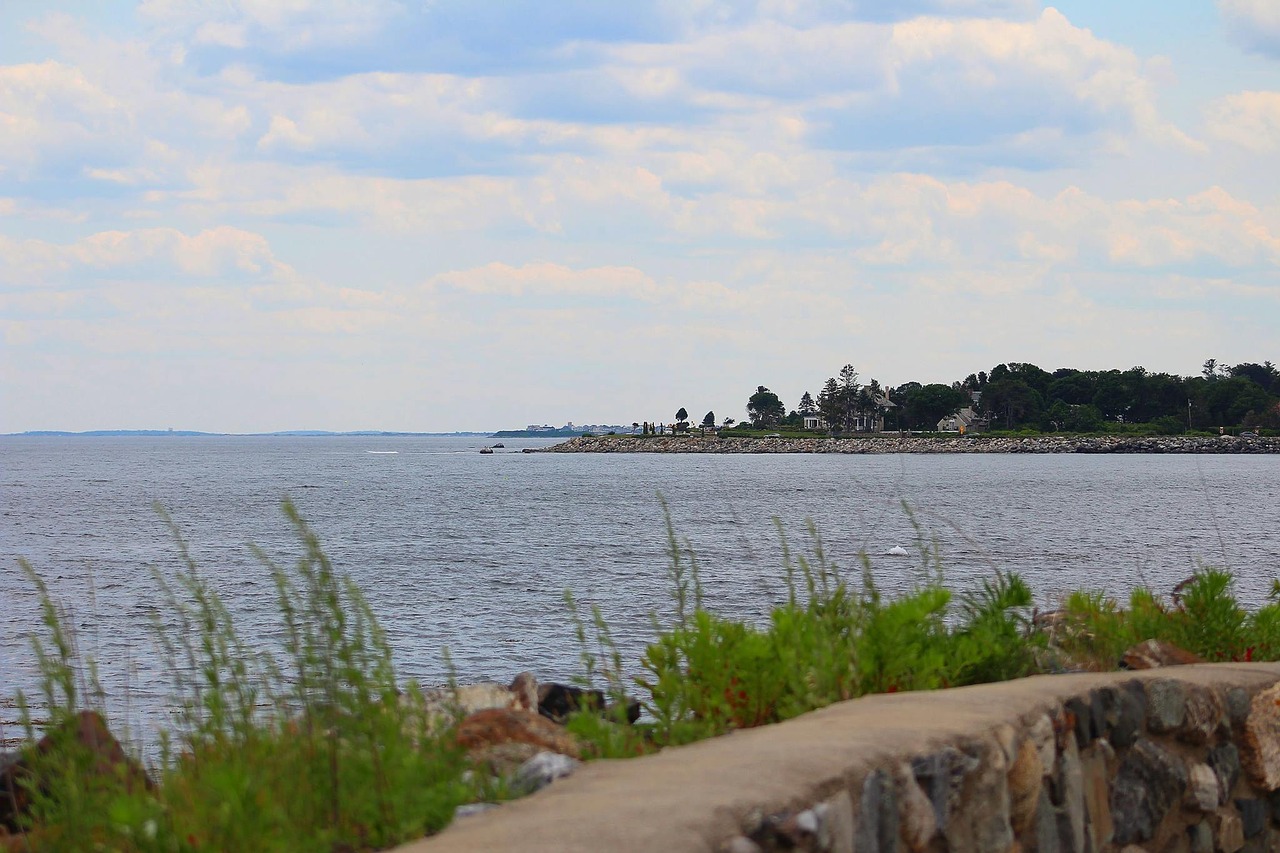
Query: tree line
[[1023, 396]]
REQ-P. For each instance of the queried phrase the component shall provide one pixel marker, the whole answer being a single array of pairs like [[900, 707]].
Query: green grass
[[312, 748], [834, 639], [1204, 617], [315, 747], [837, 638]]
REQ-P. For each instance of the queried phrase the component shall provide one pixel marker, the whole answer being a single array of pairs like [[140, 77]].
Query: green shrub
[[996, 640], [317, 751], [705, 674], [314, 747], [1210, 621], [1204, 618]]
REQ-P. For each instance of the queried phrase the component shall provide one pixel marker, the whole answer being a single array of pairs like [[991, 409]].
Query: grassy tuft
[[1202, 615], [311, 748], [831, 640]]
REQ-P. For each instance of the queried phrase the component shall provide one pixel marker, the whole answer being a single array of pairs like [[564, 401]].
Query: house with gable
[[964, 421]]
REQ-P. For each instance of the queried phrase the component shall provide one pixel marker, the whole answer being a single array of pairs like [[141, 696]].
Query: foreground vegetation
[[837, 638], [315, 747]]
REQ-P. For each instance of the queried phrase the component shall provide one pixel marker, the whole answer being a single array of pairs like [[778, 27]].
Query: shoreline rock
[[887, 443]]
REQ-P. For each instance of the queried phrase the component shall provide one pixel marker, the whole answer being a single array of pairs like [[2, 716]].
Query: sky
[[435, 215]]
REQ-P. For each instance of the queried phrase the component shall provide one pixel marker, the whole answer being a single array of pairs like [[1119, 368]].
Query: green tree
[[1012, 400], [901, 397], [929, 404], [1113, 397], [682, 415], [1265, 374], [869, 397], [709, 420], [1084, 418], [1212, 370], [807, 406], [1169, 425], [1162, 396], [848, 384], [829, 404], [1268, 419], [1072, 387], [1230, 400], [1032, 375], [764, 408]]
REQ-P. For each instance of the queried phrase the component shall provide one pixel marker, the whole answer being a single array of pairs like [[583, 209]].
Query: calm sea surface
[[474, 552]]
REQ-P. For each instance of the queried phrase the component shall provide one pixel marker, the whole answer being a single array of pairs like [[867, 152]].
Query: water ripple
[[471, 552]]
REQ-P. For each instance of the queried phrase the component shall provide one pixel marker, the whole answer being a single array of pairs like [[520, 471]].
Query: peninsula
[[918, 444]]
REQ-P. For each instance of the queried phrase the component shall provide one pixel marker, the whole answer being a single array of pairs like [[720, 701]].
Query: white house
[[872, 421]]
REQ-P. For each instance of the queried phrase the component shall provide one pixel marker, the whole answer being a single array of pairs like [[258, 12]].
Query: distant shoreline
[[882, 444], [537, 433], [181, 433]]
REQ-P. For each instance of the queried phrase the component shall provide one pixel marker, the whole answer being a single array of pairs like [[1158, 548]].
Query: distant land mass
[[303, 433], [539, 433], [569, 430]]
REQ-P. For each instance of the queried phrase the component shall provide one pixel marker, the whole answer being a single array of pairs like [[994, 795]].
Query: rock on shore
[[918, 444]]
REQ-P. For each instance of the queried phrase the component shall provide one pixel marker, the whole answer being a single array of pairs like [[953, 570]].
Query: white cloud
[[498, 279], [921, 220], [222, 34], [1254, 24], [114, 111], [928, 81], [222, 252], [993, 85], [287, 24], [50, 106], [1248, 119], [284, 132], [937, 184]]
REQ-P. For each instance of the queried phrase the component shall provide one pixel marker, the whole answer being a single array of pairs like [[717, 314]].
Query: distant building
[[872, 421], [966, 420], [571, 427]]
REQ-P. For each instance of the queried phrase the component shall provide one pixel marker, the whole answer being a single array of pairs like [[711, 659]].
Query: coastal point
[[917, 444]]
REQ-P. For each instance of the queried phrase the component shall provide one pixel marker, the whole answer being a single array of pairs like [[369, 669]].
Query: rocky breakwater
[[886, 443]]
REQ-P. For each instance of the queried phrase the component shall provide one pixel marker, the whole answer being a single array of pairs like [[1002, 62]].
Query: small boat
[[486, 450], [897, 551], [499, 444]]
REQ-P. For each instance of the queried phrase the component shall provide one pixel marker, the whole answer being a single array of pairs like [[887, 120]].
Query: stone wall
[[888, 443], [1183, 759]]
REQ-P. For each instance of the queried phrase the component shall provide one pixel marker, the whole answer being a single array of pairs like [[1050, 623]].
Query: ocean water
[[474, 552]]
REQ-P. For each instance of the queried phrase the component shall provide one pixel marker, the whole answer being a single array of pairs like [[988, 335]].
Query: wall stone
[[1163, 761]]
